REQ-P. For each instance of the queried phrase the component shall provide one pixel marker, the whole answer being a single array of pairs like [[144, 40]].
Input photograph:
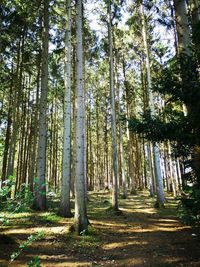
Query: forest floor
[[140, 236]]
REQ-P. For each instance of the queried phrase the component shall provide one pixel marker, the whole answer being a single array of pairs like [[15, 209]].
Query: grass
[[49, 218]]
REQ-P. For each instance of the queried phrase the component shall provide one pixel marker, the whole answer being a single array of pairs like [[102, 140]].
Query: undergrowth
[[189, 207]]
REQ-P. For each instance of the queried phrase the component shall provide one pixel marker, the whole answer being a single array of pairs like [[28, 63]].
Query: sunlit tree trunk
[[113, 115], [189, 74], [73, 122], [33, 131], [130, 167], [81, 219], [182, 26], [156, 153], [124, 183], [121, 139], [65, 209], [40, 187]]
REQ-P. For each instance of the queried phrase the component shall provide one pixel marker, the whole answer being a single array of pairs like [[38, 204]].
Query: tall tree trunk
[[130, 167], [16, 106], [124, 183], [156, 154], [182, 26], [81, 219], [40, 187], [7, 138], [115, 204], [74, 118], [34, 129], [98, 161], [65, 209], [189, 72]]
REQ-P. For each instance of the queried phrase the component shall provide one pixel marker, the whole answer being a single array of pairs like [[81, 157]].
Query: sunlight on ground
[[145, 210], [156, 228], [108, 224], [51, 263], [46, 230], [123, 244]]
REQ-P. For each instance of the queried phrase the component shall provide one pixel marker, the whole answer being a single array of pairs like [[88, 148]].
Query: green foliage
[[23, 199], [6, 188], [50, 218], [20, 203], [172, 124], [155, 129], [35, 262], [189, 208], [89, 238], [24, 245]]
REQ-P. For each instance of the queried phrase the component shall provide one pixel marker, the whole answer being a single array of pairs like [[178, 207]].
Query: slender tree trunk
[[189, 72], [40, 187], [81, 219], [98, 161], [74, 118], [7, 140], [16, 106], [33, 130], [120, 137], [182, 26], [113, 116], [65, 209], [156, 154]]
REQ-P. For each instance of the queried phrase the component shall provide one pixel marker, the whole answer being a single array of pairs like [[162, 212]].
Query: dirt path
[[140, 236]]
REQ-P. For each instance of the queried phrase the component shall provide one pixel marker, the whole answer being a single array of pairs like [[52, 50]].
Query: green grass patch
[[49, 218], [90, 240]]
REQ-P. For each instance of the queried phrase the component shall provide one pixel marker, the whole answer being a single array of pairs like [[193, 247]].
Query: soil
[[138, 236]]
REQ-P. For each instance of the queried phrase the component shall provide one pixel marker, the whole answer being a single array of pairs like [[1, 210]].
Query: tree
[[81, 219], [65, 209], [40, 186], [156, 155], [189, 76], [113, 116]]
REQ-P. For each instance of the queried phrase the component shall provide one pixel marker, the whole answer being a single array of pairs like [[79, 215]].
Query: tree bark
[[65, 209], [40, 186], [115, 204], [156, 154], [81, 219]]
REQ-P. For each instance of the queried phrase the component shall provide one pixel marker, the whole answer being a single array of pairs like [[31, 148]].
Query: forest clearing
[[140, 236], [99, 133]]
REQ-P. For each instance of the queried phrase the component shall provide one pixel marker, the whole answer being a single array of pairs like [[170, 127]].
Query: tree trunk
[[156, 154], [113, 116], [189, 72], [65, 209], [40, 186], [81, 219]]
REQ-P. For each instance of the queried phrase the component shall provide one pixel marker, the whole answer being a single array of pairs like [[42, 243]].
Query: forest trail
[[140, 236]]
